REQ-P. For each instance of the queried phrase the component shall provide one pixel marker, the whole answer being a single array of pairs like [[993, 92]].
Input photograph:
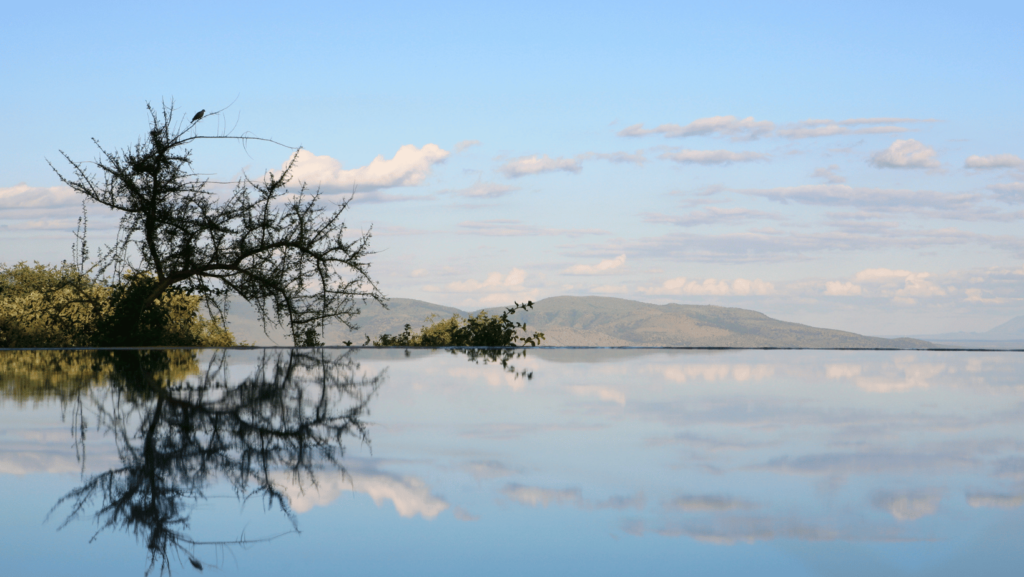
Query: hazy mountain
[[604, 321], [1007, 335]]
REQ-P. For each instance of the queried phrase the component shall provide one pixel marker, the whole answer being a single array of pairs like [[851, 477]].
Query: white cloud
[[609, 289], [617, 157], [410, 495], [814, 128], [928, 203], [707, 157], [483, 190], [994, 161], [489, 470], [881, 275], [534, 496], [537, 164], [494, 280], [504, 227], [710, 287], [463, 145], [905, 154], [746, 128], [829, 174], [845, 289], [409, 167], [25, 196], [975, 295], [705, 503], [603, 266], [995, 501], [915, 285], [908, 507], [603, 393], [496, 289], [1011, 192], [711, 215]]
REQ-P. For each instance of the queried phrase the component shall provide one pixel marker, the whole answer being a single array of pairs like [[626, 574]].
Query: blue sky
[[855, 167]]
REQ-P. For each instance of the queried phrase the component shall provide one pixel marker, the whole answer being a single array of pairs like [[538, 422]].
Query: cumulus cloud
[[915, 285], [710, 287], [538, 164], [409, 167], [746, 128], [843, 289], [994, 161], [708, 157], [603, 266], [905, 154]]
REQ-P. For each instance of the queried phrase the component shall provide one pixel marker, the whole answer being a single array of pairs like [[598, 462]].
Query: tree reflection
[[176, 435]]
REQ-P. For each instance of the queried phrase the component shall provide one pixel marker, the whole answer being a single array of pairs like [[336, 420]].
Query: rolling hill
[[603, 322]]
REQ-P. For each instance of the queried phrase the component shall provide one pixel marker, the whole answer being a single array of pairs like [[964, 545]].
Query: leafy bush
[[59, 306], [480, 330]]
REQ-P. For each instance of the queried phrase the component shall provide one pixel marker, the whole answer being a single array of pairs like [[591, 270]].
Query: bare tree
[[280, 250]]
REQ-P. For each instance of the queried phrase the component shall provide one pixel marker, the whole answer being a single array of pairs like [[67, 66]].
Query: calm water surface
[[560, 462]]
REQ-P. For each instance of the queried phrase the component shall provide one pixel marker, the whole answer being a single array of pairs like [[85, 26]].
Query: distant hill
[[1007, 335], [605, 322]]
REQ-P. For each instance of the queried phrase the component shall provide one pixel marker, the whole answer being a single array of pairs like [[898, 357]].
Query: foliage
[[280, 250], [59, 306], [480, 330]]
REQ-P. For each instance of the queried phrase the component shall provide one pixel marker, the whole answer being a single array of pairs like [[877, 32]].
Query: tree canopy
[[281, 250]]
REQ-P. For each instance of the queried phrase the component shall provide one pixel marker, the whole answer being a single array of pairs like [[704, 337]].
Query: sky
[[857, 167]]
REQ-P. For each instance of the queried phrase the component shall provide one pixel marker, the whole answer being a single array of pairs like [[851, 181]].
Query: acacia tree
[[280, 250]]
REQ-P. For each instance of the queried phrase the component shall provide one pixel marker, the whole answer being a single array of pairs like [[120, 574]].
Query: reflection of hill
[[604, 321]]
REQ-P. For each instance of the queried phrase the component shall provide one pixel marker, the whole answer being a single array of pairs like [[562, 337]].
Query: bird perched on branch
[[199, 115]]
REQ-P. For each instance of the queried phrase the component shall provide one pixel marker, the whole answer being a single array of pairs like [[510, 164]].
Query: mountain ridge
[[603, 322]]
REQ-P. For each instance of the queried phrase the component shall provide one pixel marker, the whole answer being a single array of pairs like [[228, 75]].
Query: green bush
[[480, 330], [59, 306]]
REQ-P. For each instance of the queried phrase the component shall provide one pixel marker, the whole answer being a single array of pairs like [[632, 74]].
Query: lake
[[543, 462]]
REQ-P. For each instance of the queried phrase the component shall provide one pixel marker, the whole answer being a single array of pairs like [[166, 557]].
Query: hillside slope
[[606, 321]]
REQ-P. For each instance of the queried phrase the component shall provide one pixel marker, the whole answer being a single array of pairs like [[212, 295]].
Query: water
[[561, 462]]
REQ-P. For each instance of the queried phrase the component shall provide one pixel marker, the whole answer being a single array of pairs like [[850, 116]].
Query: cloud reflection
[[907, 506], [410, 495]]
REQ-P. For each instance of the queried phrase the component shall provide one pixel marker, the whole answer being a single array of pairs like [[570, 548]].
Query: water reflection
[[178, 427], [604, 462]]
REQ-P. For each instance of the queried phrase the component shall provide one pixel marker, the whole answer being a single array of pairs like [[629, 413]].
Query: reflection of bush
[[39, 375], [58, 306]]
